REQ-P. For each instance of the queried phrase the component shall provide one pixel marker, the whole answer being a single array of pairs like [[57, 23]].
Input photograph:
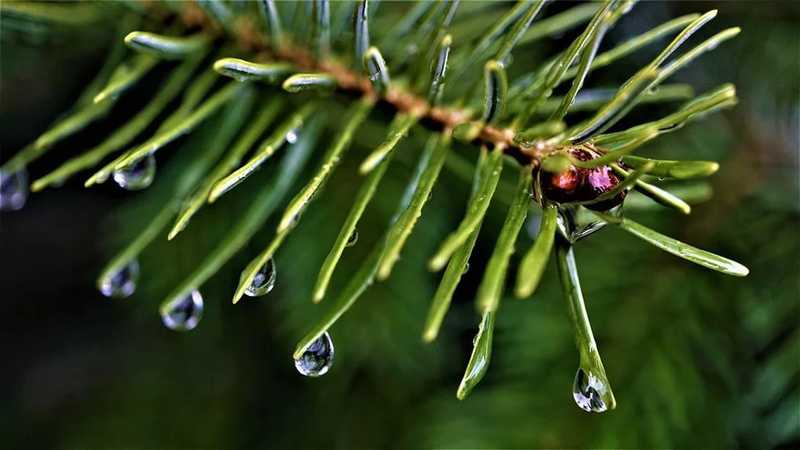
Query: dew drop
[[185, 314], [264, 280], [466, 269], [138, 176], [575, 223], [351, 241], [317, 358], [588, 391], [291, 136], [13, 190], [122, 283], [294, 220]]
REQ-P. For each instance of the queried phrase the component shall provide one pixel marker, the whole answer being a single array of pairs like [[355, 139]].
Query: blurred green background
[[696, 359]]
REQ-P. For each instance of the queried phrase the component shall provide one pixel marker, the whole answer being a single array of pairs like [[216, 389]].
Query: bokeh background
[[696, 359]]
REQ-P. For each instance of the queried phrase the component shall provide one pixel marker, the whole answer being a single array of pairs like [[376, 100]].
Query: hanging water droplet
[[291, 136], [466, 269], [264, 280], [317, 358], [351, 241], [122, 283], [13, 190], [138, 176], [588, 392], [575, 223], [185, 314]]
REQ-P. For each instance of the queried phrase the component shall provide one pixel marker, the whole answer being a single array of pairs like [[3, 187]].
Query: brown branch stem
[[352, 83]]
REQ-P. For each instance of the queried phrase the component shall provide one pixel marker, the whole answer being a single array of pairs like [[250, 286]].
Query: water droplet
[[575, 223], [291, 136], [122, 283], [317, 358], [466, 269], [138, 176], [185, 314], [294, 221], [351, 241], [13, 190], [264, 280], [588, 392]]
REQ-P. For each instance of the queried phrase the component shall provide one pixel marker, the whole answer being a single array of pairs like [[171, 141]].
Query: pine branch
[[577, 173]]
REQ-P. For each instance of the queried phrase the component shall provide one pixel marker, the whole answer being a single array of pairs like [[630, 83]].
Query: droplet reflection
[[138, 176], [121, 284], [13, 190], [588, 391], [317, 358], [185, 314], [264, 280]]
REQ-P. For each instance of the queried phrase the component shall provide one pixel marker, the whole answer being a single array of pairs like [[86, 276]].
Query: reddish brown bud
[[560, 187], [581, 185], [598, 181], [566, 180]]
